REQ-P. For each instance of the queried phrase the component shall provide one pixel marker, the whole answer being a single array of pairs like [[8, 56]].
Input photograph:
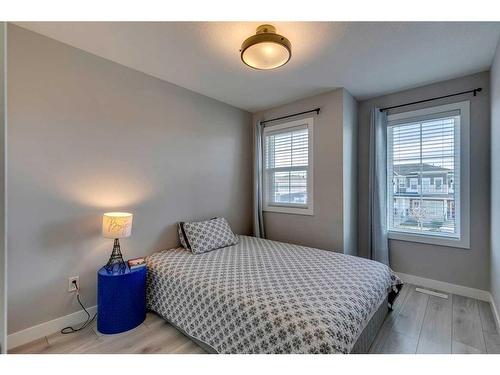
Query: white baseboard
[[495, 312], [29, 334], [44, 329], [461, 290]]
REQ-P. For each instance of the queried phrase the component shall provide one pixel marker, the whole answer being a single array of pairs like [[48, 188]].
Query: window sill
[[290, 210], [462, 243]]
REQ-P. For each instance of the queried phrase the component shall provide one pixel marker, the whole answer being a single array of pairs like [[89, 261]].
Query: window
[[430, 148], [288, 172], [438, 183], [426, 184], [413, 184]]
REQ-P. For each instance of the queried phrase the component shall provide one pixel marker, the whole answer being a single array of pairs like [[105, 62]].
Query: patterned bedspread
[[262, 296]]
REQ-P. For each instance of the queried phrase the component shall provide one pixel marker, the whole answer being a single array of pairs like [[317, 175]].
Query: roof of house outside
[[408, 169]]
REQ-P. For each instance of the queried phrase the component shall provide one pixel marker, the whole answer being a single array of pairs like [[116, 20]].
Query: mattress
[[262, 296]]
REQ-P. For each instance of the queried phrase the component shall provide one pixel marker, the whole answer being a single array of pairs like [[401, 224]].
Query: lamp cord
[[69, 329]]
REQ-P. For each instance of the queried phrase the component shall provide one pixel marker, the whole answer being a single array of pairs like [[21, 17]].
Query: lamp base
[[115, 263]]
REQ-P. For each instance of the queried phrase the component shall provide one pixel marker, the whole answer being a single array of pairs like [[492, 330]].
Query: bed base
[[367, 336]]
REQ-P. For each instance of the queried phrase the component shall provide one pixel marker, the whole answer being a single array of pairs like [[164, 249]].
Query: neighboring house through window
[[288, 167], [430, 149]]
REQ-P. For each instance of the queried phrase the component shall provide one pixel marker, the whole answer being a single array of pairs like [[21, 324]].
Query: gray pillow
[[182, 237], [203, 236]]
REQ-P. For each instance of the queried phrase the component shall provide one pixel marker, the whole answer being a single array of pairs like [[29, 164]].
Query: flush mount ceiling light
[[266, 50]]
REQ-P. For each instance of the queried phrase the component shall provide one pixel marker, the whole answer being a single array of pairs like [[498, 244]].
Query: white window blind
[[287, 172], [423, 172]]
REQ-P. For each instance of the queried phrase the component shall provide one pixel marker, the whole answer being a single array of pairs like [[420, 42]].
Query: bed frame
[[367, 336]]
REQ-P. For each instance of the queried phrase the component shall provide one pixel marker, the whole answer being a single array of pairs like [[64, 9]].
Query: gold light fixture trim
[[266, 50]]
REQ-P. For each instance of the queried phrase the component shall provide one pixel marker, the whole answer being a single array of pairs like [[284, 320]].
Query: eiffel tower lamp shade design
[[116, 225]]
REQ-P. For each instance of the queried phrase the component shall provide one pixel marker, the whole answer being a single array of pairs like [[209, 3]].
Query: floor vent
[[431, 292]]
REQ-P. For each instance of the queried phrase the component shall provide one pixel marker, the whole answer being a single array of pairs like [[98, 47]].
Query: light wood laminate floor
[[419, 324]]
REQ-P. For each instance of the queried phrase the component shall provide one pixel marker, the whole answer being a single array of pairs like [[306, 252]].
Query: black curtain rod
[[475, 91], [295, 114]]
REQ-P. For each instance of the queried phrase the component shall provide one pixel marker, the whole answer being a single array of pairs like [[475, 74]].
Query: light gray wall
[[325, 228], [3, 129], [459, 266], [495, 178], [350, 173], [89, 136]]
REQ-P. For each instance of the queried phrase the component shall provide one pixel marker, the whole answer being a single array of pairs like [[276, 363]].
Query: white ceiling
[[368, 59]]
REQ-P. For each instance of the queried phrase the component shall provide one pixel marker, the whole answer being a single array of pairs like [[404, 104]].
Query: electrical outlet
[[71, 285]]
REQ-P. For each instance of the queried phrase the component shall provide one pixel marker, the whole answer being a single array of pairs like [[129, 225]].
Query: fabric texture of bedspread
[[262, 296]]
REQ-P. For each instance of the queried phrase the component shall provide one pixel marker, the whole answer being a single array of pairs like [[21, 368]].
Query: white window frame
[[283, 207], [464, 220]]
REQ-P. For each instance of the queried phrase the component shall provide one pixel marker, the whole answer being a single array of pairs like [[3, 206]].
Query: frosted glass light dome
[[266, 50]]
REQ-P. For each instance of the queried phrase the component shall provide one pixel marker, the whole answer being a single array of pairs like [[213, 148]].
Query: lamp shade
[[117, 224]]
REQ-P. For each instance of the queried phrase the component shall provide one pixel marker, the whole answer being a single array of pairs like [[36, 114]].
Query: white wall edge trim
[[43, 329], [443, 286], [3, 313]]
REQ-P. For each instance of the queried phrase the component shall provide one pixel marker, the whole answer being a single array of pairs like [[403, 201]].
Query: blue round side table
[[121, 300]]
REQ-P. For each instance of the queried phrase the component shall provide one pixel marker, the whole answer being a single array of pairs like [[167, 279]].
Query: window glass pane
[[286, 161], [426, 154], [290, 187]]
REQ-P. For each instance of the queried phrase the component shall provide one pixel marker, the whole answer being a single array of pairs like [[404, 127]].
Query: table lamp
[[116, 225]]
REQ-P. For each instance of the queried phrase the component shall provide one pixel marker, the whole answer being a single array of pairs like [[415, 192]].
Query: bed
[[262, 296]]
